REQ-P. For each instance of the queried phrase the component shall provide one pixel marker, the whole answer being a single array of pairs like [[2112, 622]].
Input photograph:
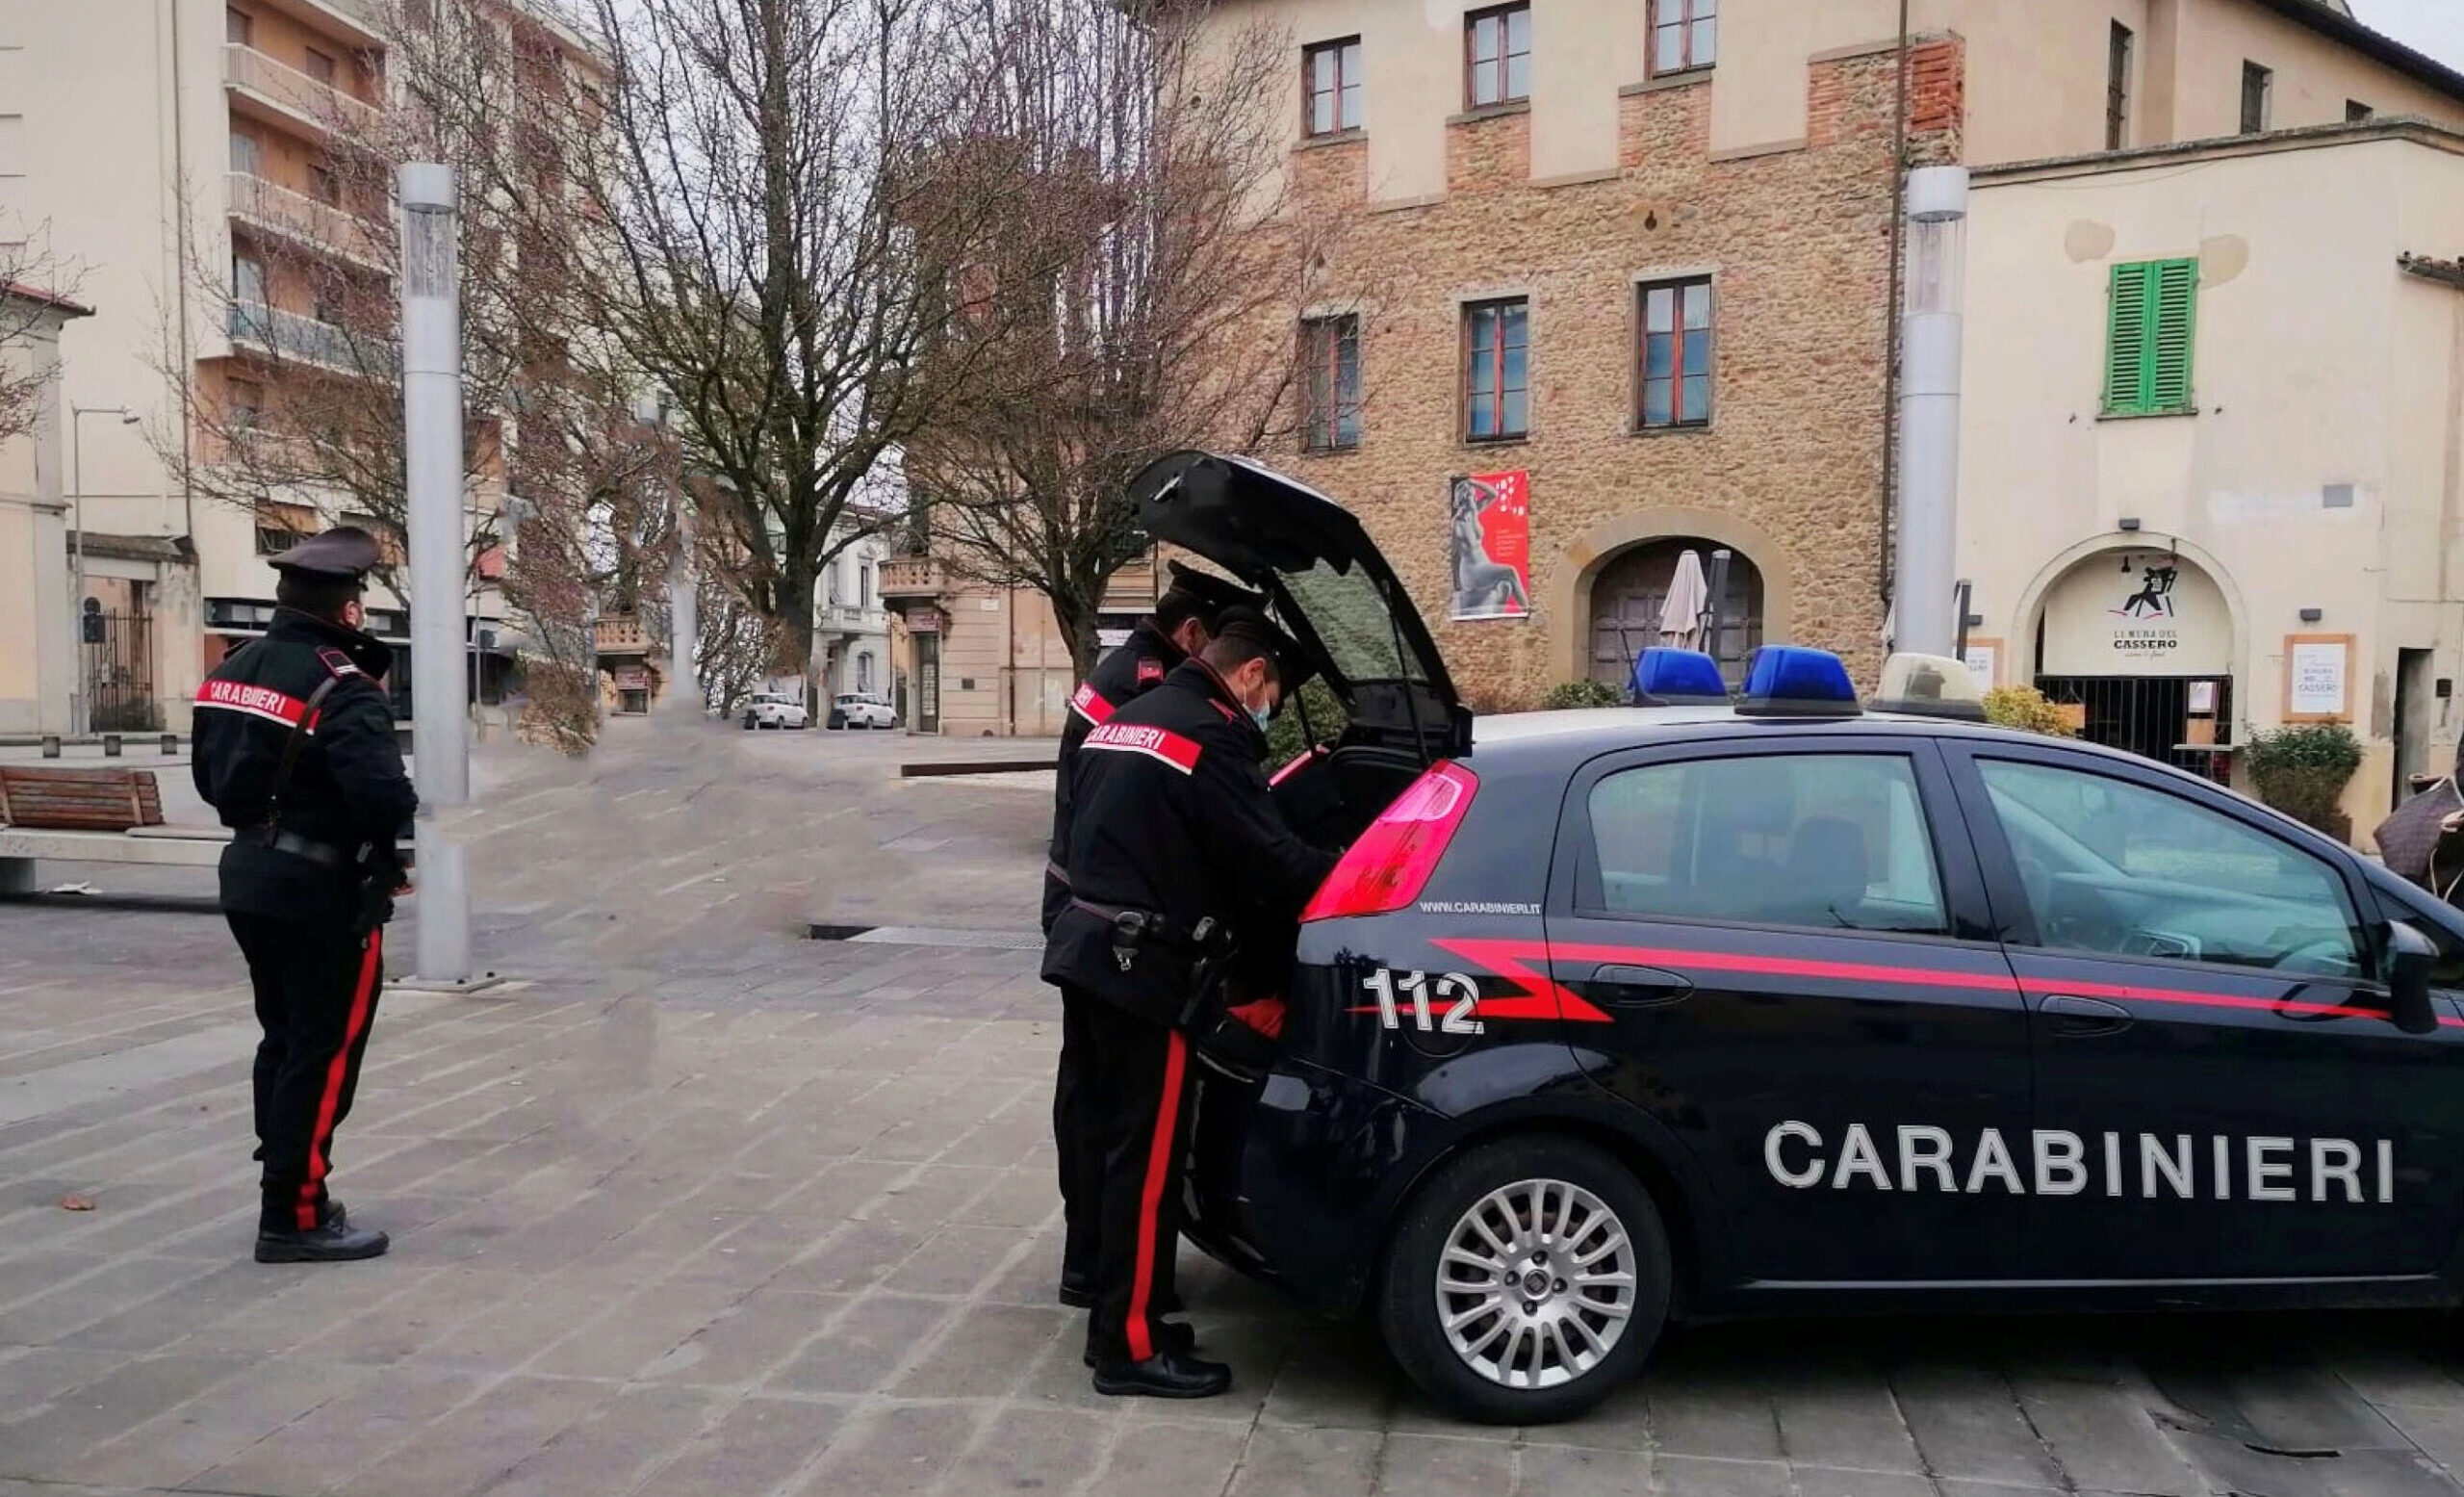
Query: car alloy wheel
[[1526, 1279], [1537, 1284]]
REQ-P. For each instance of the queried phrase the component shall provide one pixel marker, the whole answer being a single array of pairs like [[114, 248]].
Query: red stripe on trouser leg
[[312, 1189], [1158, 1163]]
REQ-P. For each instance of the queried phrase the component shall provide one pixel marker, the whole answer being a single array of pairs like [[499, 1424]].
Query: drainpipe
[[1891, 335], [180, 249]]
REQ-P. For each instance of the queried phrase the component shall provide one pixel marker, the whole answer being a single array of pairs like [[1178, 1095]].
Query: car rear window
[[1353, 620], [1823, 841]]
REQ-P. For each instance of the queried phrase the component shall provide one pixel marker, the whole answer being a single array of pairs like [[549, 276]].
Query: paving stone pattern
[[697, 1206]]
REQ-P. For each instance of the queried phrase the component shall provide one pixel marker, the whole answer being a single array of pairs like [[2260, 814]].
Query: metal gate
[[2150, 716], [117, 662]]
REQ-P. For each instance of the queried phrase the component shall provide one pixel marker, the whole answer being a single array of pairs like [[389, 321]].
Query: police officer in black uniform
[[1176, 854], [294, 748], [1182, 622]]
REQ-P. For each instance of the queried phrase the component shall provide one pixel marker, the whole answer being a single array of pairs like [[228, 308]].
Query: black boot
[[1170, 1336], [335, 1242], [1165, 1374]]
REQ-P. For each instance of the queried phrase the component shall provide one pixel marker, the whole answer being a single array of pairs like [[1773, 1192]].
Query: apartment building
[[1621, 274], [186, 156], [975, 659], [38, 669]]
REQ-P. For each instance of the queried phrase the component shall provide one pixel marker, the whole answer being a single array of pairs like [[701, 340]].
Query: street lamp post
[[1927, 558], [433, 483], [81, 710]]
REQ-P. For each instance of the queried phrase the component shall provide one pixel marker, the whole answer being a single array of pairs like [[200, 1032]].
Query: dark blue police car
[[1781, 1004]]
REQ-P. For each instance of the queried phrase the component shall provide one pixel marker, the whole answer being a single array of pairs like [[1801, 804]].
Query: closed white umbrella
[[1689, 598]]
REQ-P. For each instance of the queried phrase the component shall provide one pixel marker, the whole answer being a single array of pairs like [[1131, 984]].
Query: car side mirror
[[2411, 956], [1459, 730]]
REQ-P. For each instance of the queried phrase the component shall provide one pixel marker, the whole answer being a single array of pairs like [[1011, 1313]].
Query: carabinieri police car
[[1781, 1004]]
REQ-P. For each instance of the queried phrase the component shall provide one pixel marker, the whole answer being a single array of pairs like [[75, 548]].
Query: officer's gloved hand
[[1262, 1015], [1228, 1041]]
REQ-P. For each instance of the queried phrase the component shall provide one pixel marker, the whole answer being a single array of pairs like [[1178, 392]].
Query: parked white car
[[769, 709], [862, 710]]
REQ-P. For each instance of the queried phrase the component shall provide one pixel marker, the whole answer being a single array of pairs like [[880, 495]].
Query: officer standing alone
[[1174, 843], [1183, 622], [295, 749]]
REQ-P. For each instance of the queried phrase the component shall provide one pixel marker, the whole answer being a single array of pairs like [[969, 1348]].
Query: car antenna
[[1411, 704]]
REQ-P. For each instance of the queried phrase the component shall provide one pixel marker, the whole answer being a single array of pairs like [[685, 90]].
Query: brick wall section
[[1489, 154], [1799, 242]]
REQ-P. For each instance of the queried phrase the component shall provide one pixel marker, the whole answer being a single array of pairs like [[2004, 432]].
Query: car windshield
[[1351, 619]]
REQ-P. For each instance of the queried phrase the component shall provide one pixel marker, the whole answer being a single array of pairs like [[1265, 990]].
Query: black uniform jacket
[[348, 788], [1172, 817], [1137, 668]]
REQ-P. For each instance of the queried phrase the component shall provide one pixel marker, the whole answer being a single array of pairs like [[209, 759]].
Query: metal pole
[[1926, 571], [77, 708], [683, 614], [432, 456]]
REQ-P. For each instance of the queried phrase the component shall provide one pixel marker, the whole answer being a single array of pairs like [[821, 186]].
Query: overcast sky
[[2433, 26]]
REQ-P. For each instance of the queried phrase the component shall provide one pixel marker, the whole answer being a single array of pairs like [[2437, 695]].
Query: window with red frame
[[1686, 34], [1497, 56], [1674, 373], [1331, 72], [1497, 375], [1330, 360]]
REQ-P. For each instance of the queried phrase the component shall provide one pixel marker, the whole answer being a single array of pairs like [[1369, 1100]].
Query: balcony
[[846, 618], [914, 579], [287, 335], [288, 99], [621, 633], [269, 208], [357, 23]]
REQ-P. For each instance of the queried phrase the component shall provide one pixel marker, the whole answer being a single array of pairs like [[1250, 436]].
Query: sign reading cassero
[[2058, 1162]]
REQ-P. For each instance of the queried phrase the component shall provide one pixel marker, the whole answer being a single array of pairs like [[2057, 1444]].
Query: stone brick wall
[[1789, 471]]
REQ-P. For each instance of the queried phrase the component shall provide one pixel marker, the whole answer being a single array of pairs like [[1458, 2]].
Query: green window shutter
[[2151, 334], [2173, 325], [2126, 342]]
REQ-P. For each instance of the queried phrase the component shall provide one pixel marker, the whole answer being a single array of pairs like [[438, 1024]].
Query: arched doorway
[[1631, 591], [2137, 644]]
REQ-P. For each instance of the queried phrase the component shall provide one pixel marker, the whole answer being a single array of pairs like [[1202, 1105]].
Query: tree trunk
[[798, 580], [1076, 614]]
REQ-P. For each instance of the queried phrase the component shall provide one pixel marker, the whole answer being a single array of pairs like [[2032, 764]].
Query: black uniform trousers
[[316, 989], [1082, 1163], [1137, 1086]]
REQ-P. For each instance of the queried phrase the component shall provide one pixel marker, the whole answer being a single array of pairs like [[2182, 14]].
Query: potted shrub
[[2301, 771], [2026, 709], [1583, 693]]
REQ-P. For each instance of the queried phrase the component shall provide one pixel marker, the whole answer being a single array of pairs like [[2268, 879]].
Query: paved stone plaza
[[694, 1205]]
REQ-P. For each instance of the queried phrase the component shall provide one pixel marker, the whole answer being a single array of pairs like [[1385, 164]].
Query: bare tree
[[766, 211], [36, 281], [1123, 306]]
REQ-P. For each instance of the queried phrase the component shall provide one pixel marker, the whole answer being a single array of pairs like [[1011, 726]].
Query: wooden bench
[[79, 800]]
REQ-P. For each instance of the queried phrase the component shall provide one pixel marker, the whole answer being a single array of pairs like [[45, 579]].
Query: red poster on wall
[[1489, 545]]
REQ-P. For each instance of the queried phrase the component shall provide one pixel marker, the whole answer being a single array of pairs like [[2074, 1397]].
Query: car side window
[[1824, 840], [2117, 869]]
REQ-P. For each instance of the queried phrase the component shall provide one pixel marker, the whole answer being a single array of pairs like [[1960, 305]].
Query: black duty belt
[[323, 854]]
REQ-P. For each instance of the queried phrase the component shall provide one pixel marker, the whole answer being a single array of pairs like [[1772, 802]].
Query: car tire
[[1562, 1351]]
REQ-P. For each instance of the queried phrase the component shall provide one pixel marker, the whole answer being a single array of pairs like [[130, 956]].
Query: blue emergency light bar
[[1793, 681], [1665, 676]]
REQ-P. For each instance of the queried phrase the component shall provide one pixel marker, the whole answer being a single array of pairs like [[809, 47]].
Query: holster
[[380, 874], [1221, 1042]]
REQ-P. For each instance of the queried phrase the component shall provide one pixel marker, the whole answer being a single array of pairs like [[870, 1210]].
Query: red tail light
[[1390, 862]]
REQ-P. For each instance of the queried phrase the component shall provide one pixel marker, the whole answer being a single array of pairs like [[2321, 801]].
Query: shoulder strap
[[300, 731]]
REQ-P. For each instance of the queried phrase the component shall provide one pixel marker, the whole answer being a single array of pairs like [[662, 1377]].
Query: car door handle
[[2078, 1018], [1636, 986]]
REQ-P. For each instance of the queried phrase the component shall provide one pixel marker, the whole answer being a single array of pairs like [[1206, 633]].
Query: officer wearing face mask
[[1176, 850]]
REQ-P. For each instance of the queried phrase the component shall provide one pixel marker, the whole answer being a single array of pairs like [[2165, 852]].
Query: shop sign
[[2136, 613]]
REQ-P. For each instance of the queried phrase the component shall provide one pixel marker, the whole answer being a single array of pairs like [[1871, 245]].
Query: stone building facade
[[1745, 148]]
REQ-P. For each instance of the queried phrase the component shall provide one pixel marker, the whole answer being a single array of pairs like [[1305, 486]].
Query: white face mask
[[1262, 711]]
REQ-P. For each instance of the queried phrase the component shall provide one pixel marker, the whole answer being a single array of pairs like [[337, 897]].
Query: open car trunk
[[1328, 586]]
